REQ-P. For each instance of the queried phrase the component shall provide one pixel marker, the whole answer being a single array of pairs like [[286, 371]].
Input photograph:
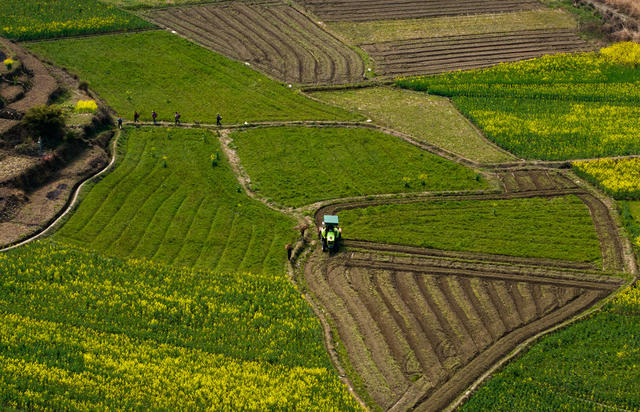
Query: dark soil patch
[[430, 318], [365, 10], [54, 194], [276, 38], [430, 56]]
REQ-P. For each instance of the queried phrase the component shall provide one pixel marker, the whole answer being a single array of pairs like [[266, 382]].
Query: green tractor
[[330, 233]]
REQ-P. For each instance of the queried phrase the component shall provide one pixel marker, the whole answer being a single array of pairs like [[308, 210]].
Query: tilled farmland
[[437, 55], [361, 10], [273, 37], [421, 325], [420, 329]]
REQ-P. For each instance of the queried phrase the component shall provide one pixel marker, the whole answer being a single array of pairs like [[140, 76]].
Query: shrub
[[46, 122]]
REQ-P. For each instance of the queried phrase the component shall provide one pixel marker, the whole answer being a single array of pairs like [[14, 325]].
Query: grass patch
[[41, 19], [589, 366], [430, 119], [298, 165], [188, 213], [390, 30], [553, 108], [557, 228], [177, 75], [81, 331]]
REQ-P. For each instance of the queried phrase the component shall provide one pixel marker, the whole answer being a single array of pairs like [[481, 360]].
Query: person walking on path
[[154, 115], [136, 116], [219, 120], [119, 122], [177, 117]]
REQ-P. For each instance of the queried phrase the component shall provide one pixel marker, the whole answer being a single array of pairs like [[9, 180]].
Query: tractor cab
[[330, 233]]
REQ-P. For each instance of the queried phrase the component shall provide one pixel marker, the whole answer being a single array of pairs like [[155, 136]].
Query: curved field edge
[[556, 227], [553, 108], [168, 202], [590, 365], [74, 321], [179, 76], [430, 119], [301, 165]]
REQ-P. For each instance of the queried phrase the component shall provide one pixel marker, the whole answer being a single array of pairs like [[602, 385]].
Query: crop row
[[593, 365], [555, 107], [165, 201], [80, 331], [38, 19]]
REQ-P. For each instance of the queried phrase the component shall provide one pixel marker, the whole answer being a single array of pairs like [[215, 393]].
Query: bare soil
[[26, 209], [420, 330], [273, 37], [365, 10], [437, 55]]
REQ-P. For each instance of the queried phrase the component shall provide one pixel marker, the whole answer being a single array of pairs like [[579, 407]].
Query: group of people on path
[[154, 116]]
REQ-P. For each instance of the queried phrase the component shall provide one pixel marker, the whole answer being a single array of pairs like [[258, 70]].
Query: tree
[[46, 122]]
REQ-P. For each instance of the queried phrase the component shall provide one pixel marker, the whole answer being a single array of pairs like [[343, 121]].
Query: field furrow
[[275, 38], [442, 321], [359, 10], [463, 52]]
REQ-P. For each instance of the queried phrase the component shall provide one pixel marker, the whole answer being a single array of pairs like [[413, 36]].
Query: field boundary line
[[90, 35], [71, 202]]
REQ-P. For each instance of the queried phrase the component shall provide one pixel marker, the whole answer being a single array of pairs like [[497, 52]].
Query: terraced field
[[363, 10], [419, 329], [166, 202], [273, 37], [437, 55], [419, 325]]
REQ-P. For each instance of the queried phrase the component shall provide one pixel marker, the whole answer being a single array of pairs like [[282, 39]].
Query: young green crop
[[299, 165], [558, 228], [555, 107], [165, 201], [159, 71], [40, 19]]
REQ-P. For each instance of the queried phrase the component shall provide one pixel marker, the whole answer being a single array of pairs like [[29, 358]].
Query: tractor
[[330, 233]]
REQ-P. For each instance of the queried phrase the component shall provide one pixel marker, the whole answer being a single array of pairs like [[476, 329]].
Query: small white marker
[[369, 69], [174, 32], [246, 123], [368, 120], [247, 64], [289, 86]]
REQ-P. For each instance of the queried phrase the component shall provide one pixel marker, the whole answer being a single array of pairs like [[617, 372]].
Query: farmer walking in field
[[177, 117], [154, 115], [119, 122], [136, 116], [219, 120]]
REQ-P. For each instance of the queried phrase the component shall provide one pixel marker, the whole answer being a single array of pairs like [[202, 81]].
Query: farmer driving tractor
[[330, 233]]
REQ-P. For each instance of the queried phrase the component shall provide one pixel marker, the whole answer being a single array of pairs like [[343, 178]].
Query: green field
[[40, 19], [593, 365], [558, 228], [187, 213], [79, 331], [177, 75], [555, 107], [430, 119], [401, 29], [296, 166]]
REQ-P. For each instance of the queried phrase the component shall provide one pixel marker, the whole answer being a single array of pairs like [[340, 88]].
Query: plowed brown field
[[420, 325], [437, 55], [273, 37], [364, 10]]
